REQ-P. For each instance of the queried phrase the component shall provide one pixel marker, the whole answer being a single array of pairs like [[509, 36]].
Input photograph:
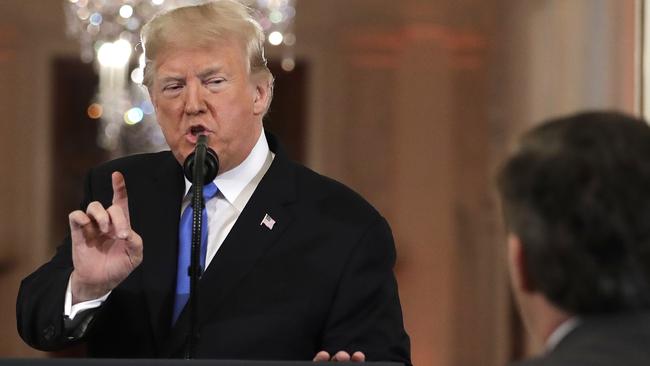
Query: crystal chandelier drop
[[109, 34], [276, 17]]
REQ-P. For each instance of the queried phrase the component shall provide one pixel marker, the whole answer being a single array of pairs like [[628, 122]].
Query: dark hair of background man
[[577, 193]]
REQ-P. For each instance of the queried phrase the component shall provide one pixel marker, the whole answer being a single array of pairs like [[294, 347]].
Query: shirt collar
[[561, 332], [232, 183]]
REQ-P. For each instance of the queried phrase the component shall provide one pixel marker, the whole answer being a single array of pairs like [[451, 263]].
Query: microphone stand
[[200, 173], [195, 258]]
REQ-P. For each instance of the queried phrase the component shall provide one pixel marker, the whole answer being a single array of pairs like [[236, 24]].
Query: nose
[[194, 100]]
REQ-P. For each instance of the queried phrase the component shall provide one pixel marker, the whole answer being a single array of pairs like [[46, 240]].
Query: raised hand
[[105, 250]]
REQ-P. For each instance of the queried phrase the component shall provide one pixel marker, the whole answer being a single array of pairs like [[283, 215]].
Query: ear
[[519, 275], [263, 92]]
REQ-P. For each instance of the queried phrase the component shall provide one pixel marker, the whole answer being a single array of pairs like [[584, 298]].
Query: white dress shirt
[[236, 187]]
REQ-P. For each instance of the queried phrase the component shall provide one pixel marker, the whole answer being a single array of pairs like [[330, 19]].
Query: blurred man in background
[[576, 199]]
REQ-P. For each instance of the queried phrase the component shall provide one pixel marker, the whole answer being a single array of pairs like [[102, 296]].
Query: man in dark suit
[[297, 266], [576, 199]]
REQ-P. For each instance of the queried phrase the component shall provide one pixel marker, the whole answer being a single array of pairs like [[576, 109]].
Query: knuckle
[[94, 208], [77, 217], [115, 211]]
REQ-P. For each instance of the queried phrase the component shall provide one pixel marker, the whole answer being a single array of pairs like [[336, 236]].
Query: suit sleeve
[[366, 314], [40, 301]]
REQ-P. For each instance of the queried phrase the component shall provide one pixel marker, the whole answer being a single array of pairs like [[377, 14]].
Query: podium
[[170, 362]]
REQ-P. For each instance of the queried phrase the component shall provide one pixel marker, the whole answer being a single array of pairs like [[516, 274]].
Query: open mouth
[[198, 130], [193, 133]]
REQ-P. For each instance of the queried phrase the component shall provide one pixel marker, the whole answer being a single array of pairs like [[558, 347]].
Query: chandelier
[[109, 34]]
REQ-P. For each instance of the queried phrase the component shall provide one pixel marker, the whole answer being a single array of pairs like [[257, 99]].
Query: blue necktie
[[184, 249]]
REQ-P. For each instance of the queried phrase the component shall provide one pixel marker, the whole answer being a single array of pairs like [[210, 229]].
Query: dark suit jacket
[[320, 279], [614, 340]]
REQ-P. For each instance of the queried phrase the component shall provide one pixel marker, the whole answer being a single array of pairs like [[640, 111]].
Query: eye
[[214, 82], [172, 89]]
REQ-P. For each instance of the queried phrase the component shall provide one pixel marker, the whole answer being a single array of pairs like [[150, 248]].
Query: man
[[576, 198], [297, 266]]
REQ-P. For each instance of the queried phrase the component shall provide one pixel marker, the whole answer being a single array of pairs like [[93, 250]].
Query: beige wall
[[411, 102], [31, 34]]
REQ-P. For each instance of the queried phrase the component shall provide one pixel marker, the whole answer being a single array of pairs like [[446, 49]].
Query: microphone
[[204, 157]]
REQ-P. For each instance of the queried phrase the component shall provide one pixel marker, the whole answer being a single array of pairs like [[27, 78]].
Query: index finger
[[120, 197]]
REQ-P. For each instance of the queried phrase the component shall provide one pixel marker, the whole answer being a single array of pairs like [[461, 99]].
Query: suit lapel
[[248, 240], [161, 206], [246, 243]]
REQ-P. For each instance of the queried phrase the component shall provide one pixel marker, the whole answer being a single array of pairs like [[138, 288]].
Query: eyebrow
[[203, 74], [168, 79], [209, 71]]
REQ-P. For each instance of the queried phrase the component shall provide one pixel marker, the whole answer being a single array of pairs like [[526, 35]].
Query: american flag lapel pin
[[268, 222]]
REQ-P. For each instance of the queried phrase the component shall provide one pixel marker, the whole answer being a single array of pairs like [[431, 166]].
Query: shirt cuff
[[71, 311]]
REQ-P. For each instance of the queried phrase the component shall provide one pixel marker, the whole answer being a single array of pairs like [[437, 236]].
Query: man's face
[[208, 91]]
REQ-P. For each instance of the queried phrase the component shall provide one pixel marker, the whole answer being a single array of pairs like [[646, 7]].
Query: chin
[[181, 156]]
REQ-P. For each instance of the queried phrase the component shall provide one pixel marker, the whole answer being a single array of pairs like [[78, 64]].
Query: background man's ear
[[519, 272]]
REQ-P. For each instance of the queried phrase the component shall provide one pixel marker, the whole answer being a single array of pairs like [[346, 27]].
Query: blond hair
[[201, 26]]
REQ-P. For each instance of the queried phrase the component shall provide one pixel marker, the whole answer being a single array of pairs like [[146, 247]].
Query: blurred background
[[413, 103]]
